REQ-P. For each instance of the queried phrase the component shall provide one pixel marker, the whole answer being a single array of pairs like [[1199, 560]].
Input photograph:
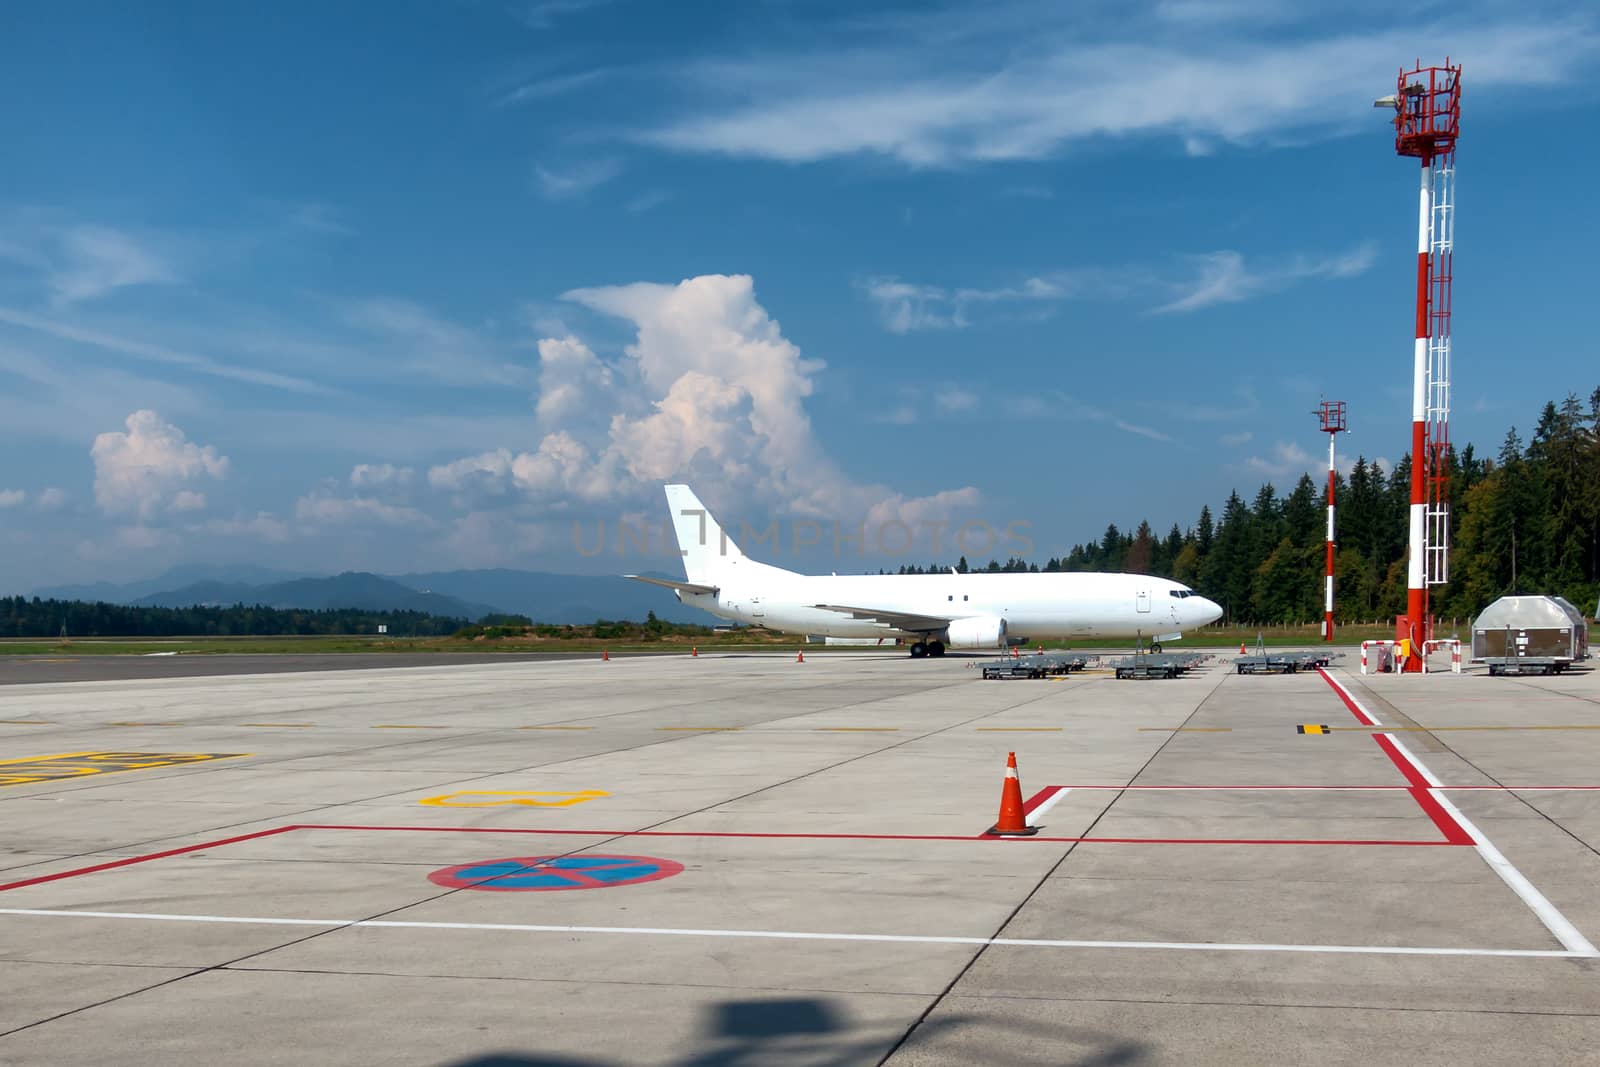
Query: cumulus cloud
[[12, 498], [709, 389], [571, 376], [1285, 460], [324, 507], [145, 470], [380, 475]]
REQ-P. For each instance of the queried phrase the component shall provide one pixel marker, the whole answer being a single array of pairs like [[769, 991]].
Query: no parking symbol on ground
[[543, 874]]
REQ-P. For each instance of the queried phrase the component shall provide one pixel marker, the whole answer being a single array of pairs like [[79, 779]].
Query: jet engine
[[983, 631]]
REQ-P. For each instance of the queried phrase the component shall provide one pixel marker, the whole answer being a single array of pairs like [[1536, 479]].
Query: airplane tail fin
[[705, 546]]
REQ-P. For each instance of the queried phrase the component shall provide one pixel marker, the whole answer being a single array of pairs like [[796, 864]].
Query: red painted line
[[1408, 769], [146, 858], [1420, 789], [1452, 830], [872, 837], [1040, 797], [1362, 717]]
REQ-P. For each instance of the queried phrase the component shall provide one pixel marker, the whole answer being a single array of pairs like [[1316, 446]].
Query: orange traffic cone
[[1012, 822], [1241, 648], [604, 655], [800, 657], [694, 650]]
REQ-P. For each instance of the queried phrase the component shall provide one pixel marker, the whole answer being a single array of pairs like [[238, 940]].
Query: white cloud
[[953, 399], [51, 499], [12, 498], [155, 353], [1234, 440], [571, 377], [144, 470], [648, 201], [575, 181], [1214, 278], [86, 262], [1285, 460], [710, 389], [322, 507], [1224, 277], [375, 475], [554, 85], [262, 526], [484, 471], [952, 85]]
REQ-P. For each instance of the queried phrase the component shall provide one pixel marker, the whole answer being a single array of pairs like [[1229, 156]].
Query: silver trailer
[[1529, 635]]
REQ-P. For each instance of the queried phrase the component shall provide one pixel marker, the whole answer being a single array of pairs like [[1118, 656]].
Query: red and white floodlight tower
[[1427, 120], [1331, 414]]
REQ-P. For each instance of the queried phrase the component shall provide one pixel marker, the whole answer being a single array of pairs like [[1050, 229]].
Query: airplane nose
[[1207, 611]]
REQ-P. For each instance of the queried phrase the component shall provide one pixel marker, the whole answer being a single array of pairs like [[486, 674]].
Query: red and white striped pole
[[1327, 588], [1332, 415], [1416, 576]]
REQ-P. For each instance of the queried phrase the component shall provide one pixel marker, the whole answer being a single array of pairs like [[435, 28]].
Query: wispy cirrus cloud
[[945, 87], [576, 180], [80, 261], [1226, 277], [1195, 282]]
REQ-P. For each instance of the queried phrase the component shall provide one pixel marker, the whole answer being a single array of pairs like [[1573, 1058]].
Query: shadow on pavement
[[811, 1032]]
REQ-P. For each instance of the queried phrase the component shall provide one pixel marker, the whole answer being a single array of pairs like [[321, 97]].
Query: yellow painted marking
[[1019, 729], [50, 661], [1186, 729], [857, 729], [523, 799], [555, 727], [67, 765], [27, 722], [1311, 728], [285, 725], [697, 729], [406, 726]]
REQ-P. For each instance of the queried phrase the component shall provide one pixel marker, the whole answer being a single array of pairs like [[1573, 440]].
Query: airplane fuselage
[[1046, 606]]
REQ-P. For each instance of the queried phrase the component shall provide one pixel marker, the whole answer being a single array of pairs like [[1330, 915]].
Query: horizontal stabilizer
[[668, 583], [897, 620]]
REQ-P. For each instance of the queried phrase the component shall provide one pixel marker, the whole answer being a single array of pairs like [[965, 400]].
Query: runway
[[751, 860]]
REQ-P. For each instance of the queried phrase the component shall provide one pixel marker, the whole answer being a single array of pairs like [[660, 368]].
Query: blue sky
[[327, 287]]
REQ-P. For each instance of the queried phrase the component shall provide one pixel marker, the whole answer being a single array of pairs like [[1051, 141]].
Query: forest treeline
[[32, 617], [1524, 521]]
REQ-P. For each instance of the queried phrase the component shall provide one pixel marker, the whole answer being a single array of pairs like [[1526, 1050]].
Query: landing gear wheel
[[936, 649], [919, 650], [1155, 648]]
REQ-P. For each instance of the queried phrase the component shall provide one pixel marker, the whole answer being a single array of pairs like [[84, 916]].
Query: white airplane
[[933, 611]]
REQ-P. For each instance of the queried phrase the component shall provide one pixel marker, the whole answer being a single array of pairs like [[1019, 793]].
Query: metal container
[[1529, 635]]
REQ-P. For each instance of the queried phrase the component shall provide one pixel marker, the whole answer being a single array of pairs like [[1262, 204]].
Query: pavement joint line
[[1560, 927], [790, 935]]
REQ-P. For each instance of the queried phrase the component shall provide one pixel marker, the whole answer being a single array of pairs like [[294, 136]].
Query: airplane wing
[[896, 620], [668, 583]]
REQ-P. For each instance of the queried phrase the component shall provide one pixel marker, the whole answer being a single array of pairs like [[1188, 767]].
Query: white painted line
[[1422, 768], [784, 935], [1558, 924], [1049, 802]]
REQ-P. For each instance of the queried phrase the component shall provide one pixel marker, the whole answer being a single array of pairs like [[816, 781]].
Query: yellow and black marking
[[1311, 728], [59, 768]]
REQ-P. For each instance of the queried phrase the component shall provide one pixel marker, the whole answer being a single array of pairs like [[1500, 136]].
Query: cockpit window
[[1180, 593]]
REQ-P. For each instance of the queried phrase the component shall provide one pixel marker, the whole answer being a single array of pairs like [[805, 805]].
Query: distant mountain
[[560, 598], [353, 589], [471, 594], [244, 574]]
